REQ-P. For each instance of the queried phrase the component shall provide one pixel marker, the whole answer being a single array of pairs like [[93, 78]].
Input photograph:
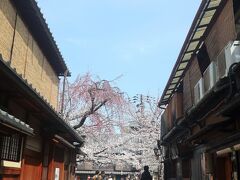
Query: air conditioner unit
[[198, 91], [209, 77], [229, 55]]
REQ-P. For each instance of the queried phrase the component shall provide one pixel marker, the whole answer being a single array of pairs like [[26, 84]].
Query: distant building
[[200, 126], [115, 161], [35, 142], [117, 170]]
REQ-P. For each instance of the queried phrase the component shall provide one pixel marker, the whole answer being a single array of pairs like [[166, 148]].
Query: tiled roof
[[106, 172], [15, 123]]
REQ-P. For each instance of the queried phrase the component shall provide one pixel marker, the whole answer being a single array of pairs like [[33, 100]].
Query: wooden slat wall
[[177, 102], [190, 80], [222, 32], [173, 111], [196, 173]]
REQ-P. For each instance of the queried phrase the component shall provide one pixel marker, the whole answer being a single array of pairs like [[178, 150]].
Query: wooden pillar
[[179, 169], [51, 161]]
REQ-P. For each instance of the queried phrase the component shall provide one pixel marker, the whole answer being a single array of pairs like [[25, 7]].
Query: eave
[[232, 108], [31, 93], [207, 130], [202, 23], [194, 115]]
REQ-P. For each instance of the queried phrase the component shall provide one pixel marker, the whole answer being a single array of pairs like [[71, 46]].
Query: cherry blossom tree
[[144, 129], [96, 109], [94, 103], [117, 130], [133, 145]]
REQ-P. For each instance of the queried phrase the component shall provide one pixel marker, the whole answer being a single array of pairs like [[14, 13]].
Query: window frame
[[10, 147]]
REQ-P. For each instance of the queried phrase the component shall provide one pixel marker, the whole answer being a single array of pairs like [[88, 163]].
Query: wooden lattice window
[[10, 147]]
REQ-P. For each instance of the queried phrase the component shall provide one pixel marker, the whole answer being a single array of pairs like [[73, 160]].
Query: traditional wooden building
[[35, 142], [117, 171], [200, 132]]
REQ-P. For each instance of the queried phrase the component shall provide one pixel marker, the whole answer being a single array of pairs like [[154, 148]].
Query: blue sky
[[138, 40]]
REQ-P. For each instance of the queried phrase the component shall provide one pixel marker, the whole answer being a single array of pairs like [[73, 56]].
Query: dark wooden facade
[[35, 142], [200, 138]]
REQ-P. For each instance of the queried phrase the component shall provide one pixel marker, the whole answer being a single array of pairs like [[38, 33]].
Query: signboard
[[57, 174]]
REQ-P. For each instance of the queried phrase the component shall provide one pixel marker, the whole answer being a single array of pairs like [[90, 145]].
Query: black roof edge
[[18, 79], [32, 16], [195, 20], [202, 5]]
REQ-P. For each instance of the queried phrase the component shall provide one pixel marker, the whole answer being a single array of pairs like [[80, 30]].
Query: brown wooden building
[[200, 132], [35, 142]]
